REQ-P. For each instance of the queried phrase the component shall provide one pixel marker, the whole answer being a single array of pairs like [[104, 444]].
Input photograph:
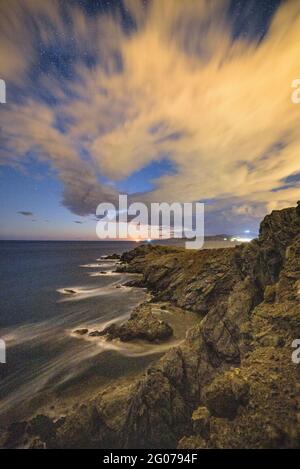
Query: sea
[[48, 291]]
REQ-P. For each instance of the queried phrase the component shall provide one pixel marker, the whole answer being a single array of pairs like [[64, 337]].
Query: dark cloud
[[26, 214], [82, 195]]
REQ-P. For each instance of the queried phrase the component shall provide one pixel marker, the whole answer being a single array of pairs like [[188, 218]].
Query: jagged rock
[[111, 256], [156, 414], [95, 334], [81, 331], [270, 293], [201, 421], [36, 443], [192, 442], [139, 283], [226, 393], [83, 429], [288, 285], [42, 427], [272, 377], [269, 340], [142, 324], [245, 331], [263, 258], [195, 280], [14, 435]]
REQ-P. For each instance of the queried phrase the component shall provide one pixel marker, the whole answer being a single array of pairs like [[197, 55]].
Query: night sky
[[165, 100]]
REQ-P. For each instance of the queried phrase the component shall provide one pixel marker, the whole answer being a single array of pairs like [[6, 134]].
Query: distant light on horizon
[[241, 240]]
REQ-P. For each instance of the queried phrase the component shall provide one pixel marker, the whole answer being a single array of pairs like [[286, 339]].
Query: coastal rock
[[263, 258], [111, 256], [231, 383], [95, 334], [233, 310], [138, 283], [226, 393], [192, 442], [14, 435], [156, 415], [288, 285], [36, 443], [270, 293], [83, 429], [201, 421], [41, 426], [142, 324], [81, 331]]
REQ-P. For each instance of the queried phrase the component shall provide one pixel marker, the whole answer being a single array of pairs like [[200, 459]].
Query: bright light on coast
[[241, 240]]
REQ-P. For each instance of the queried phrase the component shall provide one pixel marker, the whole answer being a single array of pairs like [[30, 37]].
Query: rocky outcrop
[[231, 383], [226, 393], [201, 422], [193, 280], [142, 325], [249, 298], [113, 257], [81, 331]]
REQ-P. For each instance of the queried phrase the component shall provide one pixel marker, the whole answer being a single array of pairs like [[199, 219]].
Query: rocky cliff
[[232, 383]]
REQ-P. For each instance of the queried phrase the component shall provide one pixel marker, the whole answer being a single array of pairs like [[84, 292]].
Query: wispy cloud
[[26, 214], [176, 85]]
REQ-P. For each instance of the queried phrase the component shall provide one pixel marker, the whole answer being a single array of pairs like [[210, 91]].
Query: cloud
[[176, 86], [26, 214]]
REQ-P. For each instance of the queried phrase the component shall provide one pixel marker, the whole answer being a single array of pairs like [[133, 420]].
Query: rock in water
[[81, 331], [141, 325], [95, 334]]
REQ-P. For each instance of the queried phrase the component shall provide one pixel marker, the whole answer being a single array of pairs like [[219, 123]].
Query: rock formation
[[232, 383], [142, 324]]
